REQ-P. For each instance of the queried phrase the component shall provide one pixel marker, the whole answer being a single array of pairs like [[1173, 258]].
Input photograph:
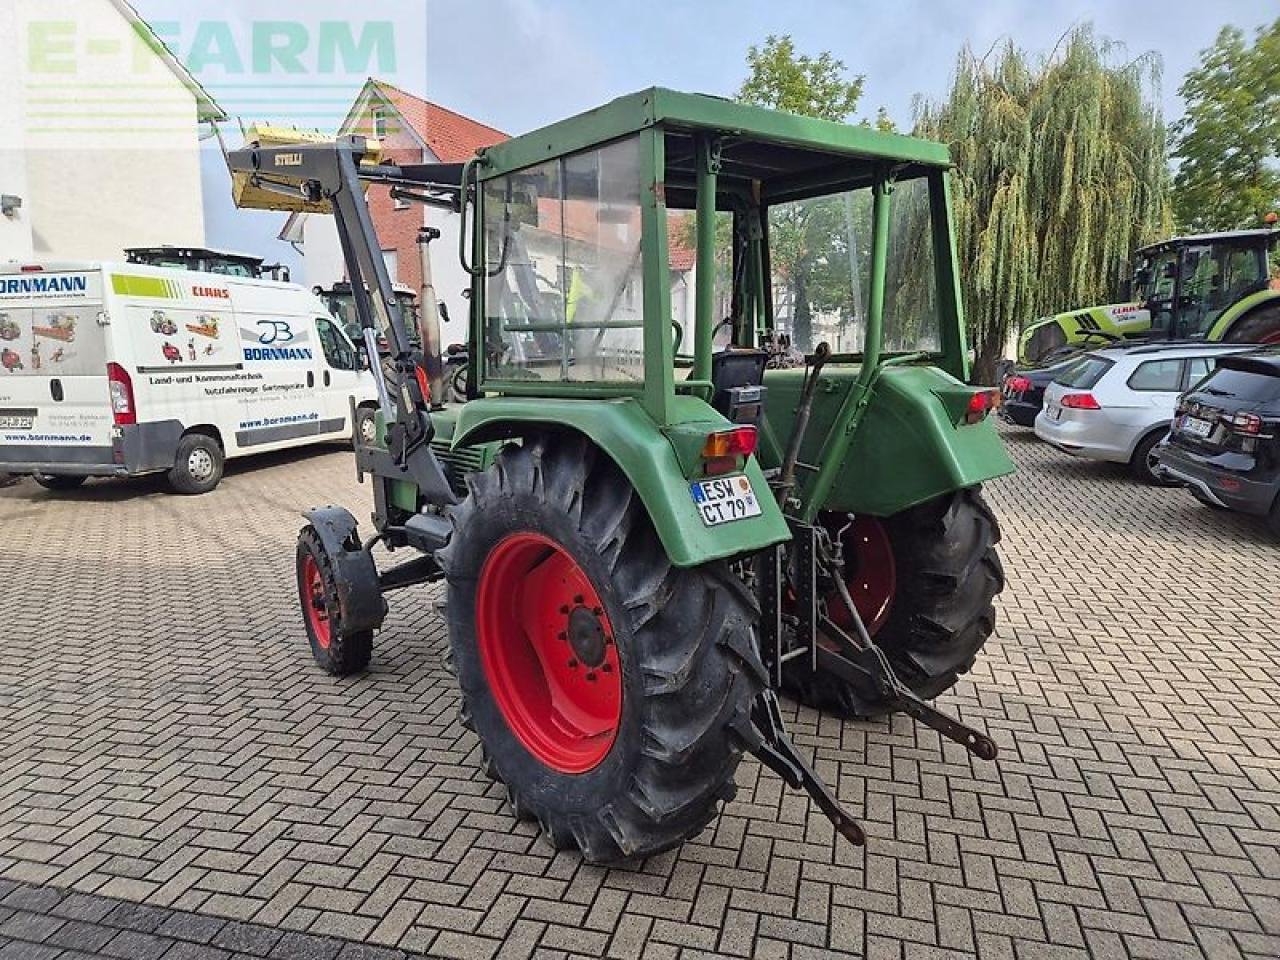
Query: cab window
[[338, 351], [1157, 376]]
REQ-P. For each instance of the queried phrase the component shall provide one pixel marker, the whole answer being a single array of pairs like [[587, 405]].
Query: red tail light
[[120, 386], [738, 442], [32, 268], [980, 404], [1246, 423], [1020, 384], [723, 448], [1080, 401]]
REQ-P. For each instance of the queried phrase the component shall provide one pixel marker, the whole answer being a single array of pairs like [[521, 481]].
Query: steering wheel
[[675, 325]]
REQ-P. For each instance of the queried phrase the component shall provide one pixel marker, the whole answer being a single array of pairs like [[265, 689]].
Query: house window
[[392, 260], [380, 124]]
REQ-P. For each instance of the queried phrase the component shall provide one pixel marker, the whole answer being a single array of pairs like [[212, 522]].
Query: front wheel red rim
[[315, 602], [548, 652]]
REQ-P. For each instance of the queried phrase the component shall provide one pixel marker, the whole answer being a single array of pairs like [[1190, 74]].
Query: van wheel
[[365, 433], [61, 483], [197, 468]]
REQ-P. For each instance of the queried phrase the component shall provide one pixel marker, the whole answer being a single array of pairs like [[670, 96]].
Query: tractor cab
[[1186, 284]]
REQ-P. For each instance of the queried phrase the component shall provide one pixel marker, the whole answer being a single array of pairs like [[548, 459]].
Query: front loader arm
[[315, 173]]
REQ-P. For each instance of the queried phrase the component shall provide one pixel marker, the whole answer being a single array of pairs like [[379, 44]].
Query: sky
[[517, 64]]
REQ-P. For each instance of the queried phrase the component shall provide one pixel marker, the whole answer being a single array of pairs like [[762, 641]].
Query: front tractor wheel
[[338, 652], [601, 680], [923, 582]]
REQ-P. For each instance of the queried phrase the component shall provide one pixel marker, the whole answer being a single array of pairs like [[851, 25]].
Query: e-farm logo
[[270, 61], [243, 48]]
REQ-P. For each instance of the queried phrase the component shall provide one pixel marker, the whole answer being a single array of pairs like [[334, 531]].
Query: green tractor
[[651, 514], [1211, 286]]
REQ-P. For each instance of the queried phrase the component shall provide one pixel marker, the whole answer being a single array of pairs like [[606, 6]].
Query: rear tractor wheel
[[600, 679], [923, 582]]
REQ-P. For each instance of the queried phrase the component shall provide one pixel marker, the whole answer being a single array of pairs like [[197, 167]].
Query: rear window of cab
[[1084, 373]]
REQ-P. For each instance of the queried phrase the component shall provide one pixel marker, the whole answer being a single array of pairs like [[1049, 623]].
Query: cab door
[[340, 377]]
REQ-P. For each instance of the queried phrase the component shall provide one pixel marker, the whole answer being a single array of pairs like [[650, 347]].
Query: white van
[[113, 370]]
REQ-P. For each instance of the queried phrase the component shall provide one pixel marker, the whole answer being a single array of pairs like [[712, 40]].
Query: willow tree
[[1061, 171]]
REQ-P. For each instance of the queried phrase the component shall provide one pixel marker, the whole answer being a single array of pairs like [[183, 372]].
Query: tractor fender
[[1232, 319], [355, 573], [654, 458]]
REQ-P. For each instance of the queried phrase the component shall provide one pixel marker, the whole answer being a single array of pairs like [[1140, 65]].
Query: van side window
[[338, 351], [1197, 369]]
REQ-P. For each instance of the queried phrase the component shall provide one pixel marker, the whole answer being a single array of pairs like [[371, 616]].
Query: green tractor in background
[[650, 516], [1213, 286]]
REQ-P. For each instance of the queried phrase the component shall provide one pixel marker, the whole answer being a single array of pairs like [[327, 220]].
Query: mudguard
[[657, 460], [909, 447], [1229, 326], [355, 573]]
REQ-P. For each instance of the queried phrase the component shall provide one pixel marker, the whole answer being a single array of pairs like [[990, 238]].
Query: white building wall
[[15, 230], [111, 133]]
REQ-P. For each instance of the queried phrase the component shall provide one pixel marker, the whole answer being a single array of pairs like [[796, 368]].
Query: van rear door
[[55, 408]]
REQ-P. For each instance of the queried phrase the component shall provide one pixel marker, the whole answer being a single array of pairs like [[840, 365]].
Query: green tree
[[811, 86], [1228, 142], [1061, 171], [807, 238]]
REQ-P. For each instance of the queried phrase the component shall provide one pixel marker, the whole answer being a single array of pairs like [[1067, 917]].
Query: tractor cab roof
[[790, 156], [1264, 235]]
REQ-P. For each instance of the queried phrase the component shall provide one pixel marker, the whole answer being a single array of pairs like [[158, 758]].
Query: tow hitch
[[854, 658]]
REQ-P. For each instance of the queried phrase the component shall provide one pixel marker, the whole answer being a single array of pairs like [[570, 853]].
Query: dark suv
[[1224, 443]]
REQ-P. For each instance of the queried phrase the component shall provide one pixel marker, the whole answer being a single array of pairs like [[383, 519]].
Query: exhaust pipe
[[429, 319]]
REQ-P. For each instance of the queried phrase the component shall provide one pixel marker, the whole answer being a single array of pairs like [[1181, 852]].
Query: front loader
[[650, 513]]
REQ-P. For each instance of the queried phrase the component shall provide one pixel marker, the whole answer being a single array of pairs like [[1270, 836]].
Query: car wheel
[[1142, 463]]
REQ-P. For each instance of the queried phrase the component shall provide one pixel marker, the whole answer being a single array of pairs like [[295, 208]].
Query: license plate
[[1196, 427], [724, 500], [17, 419], [1053, 411]]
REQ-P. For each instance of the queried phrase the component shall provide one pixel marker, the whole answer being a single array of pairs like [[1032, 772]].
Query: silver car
[[1116, 404]]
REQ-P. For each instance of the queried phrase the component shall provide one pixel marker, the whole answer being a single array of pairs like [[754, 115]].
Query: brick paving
[[165, 741]]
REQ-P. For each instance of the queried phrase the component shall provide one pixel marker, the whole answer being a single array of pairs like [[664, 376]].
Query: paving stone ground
[[166, 741]]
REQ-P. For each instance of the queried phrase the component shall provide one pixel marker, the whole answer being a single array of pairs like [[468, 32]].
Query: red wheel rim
[[548, 653], [314, 602], [872, 575]]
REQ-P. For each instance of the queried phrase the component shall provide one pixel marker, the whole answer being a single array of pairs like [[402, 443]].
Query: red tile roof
[[451, 136], [682, 258]]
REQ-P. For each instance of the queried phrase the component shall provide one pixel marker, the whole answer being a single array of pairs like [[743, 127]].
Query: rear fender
[[907, 448], [649, 456], [1235, 320]]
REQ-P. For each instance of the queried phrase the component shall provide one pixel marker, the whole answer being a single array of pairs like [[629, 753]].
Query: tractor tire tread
[[932, 635], [691, 651]]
